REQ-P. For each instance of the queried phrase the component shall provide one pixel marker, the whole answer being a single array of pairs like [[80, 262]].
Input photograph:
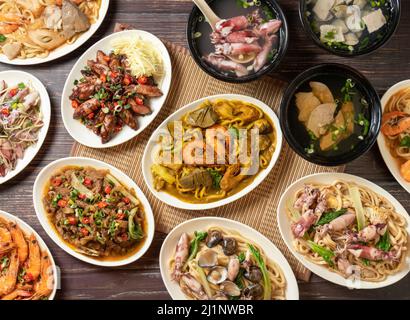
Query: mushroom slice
[[322, 116], [12, 50], [46, 39], [306, 102], [322, 92]]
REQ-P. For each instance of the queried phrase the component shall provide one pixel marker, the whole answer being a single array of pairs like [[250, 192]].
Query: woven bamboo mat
[[257, 209]]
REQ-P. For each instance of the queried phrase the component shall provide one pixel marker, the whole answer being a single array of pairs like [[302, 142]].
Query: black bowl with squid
[[248, 42]]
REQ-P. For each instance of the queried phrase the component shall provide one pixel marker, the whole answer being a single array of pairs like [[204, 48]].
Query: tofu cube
[[374, 20], [331, 33], [322, 9]]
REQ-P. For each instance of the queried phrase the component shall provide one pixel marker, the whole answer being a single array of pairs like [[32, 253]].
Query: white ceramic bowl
[[148, 161], [28, 231], [13, 78], [390, 161], [38, 190], [81, 133], [328, 178], [271, 251], [64, 49]]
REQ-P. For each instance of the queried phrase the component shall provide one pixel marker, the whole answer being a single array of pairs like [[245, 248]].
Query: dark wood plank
[[167, 19]]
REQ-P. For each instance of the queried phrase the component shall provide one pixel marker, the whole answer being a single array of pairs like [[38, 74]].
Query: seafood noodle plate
[[220, 264], [35, 28], [396, 129], [348, 229], [95, 213], [213, 151], [27, 270]]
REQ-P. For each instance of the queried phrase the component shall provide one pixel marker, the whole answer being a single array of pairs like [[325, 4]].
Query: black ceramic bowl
[[390, 29], [196, 17], [295, 132]]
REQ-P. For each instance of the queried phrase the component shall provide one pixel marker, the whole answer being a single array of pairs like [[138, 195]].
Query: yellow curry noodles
[[213, 151], [34, 28]]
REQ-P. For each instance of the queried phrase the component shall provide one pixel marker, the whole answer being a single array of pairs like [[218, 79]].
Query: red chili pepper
[[120, 216], [57, 181], [103, 78], [5, 111], [88, 182], [13, 92], [113, 74], [84, 231], [142, 80], [126, 200], [62, 203], [107, 189], [107, 58], [91, 115], [82, 196], [102, 204], [127, 79], [139, 101], [85, 220], [124, 236], [28, 277], [72, 220], [74, 104]]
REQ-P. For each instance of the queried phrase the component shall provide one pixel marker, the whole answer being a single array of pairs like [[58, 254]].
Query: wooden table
[[167, 19]]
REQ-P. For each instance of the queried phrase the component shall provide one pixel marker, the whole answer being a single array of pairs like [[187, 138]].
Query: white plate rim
[[292, 289], [165, 85], [26, 228], [283, 224], [174, 202], [41, 214], [391, 162], [45, 106], [67, 48]]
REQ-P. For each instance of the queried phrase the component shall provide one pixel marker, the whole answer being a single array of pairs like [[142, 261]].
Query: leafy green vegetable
[[2, 38], [241, 257], [234, 132], [21, 85], [330, 216], [357, 203], [267, 288], [239, 279], [216, 178], [366, 262], [326, 254], [194, 245], [405, 142], [384, 242], [134, 229]]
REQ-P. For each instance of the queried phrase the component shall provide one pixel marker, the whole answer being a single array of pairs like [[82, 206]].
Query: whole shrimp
[[9, 277]]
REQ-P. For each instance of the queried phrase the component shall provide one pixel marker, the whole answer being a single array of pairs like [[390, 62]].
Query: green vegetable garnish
[[366, 262], [330, 216], [216, 178], [21, 85], [239, 279], [362, 121], [134, 229], [384, 242], [405, 142], [241, 257], [326, 254], [194, 245], [2, 38], [234, 132], [267, 288], [347, 90]]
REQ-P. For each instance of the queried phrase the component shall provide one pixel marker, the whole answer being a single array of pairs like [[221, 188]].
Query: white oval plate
[[38, 189], [29, 230], [147, 160], [271, 251], [65, 49], [12, 78], [327, 178], [80, 132], [390, 161]]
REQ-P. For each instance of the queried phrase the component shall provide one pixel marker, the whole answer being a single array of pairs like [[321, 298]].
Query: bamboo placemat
[[257, 209]]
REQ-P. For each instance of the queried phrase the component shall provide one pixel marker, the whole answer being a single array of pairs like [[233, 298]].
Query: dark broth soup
[[215, 52], [352, 26], [361, 116]]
